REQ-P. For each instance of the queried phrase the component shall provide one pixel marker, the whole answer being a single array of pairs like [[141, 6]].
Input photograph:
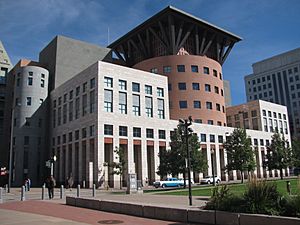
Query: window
[[196, 86], [30, 74], [160, 92], [28, 101], [137, 132], [182, 86], [216, 90], [77, 108], [161, 134], [92, 83], [161, 108], [41, 101], [180, 68], [135, 87], [108, 100], [220, 139], [203, 137], [254, 113], [210, 122], [197, 104], [220, 76], [194, 68], [70, 136], [218, 107], [65, 98], [136, 105], [108, 82], [197, 120], [76, 135], [59, 116], [83, 132], [212, 138], [42, 83], [264, 112], [148, 89], [77, 90], [64, 138], [167, 69], [123, 131], [207, 88], [209, 105], [108, 129], [123, 103], [122, 85], [92, 130], [71, 95], [205, 70], [222, 92], [92, 101], [183, 104], [84, 105], [215, 73], [18, 82], [149, 108], [27, 122], [149, 133], [30, 80], [64, 113]]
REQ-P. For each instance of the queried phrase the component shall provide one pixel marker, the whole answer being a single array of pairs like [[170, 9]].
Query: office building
[[277, 79]]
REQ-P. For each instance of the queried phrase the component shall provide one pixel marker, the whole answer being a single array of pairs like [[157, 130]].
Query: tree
[[119, 167], [173, 160], [240, 155], [296, 153], [279, 154]]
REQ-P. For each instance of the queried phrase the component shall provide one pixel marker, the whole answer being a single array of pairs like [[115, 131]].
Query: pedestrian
[[288, 187], [50, 184], [70, 182], [28, 184]]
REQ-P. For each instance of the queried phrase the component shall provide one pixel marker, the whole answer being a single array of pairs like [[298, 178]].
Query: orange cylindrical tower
[[195, 86]]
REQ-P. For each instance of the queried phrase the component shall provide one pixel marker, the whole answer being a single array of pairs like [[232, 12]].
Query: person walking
[[70, 182], [50, 184]]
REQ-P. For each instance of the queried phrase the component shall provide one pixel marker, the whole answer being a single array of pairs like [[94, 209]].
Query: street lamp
[[54, 158], [212, 151], [186, 123]]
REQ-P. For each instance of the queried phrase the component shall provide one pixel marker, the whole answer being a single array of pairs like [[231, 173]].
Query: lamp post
[[54, 158], [212, 166], [186, 123]]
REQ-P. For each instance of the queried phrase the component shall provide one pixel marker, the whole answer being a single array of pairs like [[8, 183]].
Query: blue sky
[[268, 27]]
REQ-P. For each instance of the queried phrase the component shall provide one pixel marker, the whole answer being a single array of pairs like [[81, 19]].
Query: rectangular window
[[108, 98], [135, 87], [153, 70], [207, 88], [65, 98], [123, 102], [71, 95], [216, 90], [64, 113], [42, 83], [70, 136], [148, 89], [122, 85], [220, 139], [197, 104], [137, 132], [212, 138], [161, 134], [210, 122], [196, 86], [59, 116], [108, 129], [92, 83], [83, 132], [182, 86], [149, 107], [76, 135], [84, 105], [161, 108], [28, 101], [92, 102], [136, 105], [108, 82], [123, 131], [215, 73], [167, 69], [160, 92], [77, 108], [27, 121], [92, 130], [64, 138], [203, 137], [84, 87], [218, 107], [205, 70], [180, 68], [194, 68], [149, 133], [77, 90], [183, 104], [209, 105], [30, 80], [254, 113]]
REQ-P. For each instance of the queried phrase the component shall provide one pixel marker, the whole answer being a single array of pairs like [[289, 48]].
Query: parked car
[[210, 180], [169, 182]]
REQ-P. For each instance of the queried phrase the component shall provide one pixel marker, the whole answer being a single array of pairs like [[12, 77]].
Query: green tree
[[296, 153], [173, 160], [240, 155], [119, 167], [279, 154]]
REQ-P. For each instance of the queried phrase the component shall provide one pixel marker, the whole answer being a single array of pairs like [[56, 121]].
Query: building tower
[[190, 52], [28, 90]]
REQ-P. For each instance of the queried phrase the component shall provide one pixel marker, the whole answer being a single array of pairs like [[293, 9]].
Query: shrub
[[290, 206], [262, 197]]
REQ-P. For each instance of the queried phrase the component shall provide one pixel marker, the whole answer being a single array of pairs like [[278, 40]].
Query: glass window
[[167, 69], [148, 89], [71, 95], [212, 138], [161, 134], [207, 88], [264, 113], [197, 104], [196, 86], [180, 68], [108, 82], [135, 87], [216, 90], [84, 86], [123, 102], [161, 108], [220, 139], [83, 132], [153, 70], [218, 107], [194, 68], [92, 83], [254, 113], [30, 80], [209, 105], [123, 131], [28, 101], [205, 70], [137, 132], [108, 129], [149, 108], [77, 90], [42, 83], [136, 105], [108, 98], [70, 136], [30, 74], [76, 134], [160, 92], [210, 122], [203, 137], [183, 104], [149, 133], [182, 86], [92, 130], [122, 85], [215, 73]]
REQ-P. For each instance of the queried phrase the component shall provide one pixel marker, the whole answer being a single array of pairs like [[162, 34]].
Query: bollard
[[1, 195], [83, 184], [78, 190], [43, 192], [23, 193], [61, 191], [94, 190]]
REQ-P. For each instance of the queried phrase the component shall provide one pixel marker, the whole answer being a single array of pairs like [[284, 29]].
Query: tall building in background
[[277, 80], [227, 93], [5, 67]]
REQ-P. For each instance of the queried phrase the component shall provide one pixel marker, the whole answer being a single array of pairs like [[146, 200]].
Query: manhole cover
[[110, 221]]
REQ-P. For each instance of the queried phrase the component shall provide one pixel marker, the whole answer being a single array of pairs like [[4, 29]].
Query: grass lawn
[[235, 189]]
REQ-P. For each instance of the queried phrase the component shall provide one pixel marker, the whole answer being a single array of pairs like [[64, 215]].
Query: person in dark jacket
[[50, 184]]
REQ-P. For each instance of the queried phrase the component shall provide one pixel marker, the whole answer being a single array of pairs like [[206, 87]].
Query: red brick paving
[[79, 214]]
